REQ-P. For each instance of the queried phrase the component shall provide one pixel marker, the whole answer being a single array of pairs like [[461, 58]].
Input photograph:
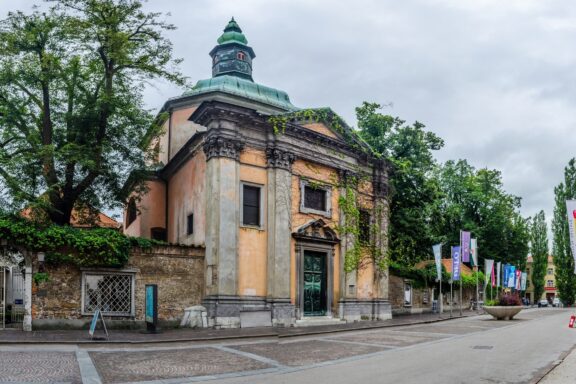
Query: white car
[[543, 303], [556, 302]]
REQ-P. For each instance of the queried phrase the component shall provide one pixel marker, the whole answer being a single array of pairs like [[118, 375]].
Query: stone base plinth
[[369, 309]]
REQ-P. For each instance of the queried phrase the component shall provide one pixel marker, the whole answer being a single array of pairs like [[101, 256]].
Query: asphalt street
[[469, 350]]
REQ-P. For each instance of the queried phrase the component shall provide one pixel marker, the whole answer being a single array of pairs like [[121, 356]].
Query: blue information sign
[[150, 303]]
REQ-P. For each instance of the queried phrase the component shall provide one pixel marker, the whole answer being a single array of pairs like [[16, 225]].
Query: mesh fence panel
[[112, 293]]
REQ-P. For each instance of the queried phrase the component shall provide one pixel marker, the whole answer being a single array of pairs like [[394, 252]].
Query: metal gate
[[11, 292]]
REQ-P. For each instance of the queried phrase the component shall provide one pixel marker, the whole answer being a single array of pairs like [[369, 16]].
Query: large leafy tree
[[409, 148], [563, 259], [71, 109], [475, 200], [539, 250]]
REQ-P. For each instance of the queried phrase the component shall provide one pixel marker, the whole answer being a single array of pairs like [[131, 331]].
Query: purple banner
[[465, 244], [455, 263]]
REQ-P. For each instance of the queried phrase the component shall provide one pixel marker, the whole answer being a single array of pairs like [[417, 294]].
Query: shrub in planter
[[510, 300]]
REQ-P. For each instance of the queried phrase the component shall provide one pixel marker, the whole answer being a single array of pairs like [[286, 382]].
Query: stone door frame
[[328, 250]]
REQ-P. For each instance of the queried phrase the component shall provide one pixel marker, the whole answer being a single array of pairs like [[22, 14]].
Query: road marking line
[[87, 368], [252, 356]]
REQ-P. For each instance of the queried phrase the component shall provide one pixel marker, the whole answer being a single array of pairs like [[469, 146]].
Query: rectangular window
[[364, 227], [112, 293], [550, 283], [315, 198], [251, 205], [190, 224], [550, 271]]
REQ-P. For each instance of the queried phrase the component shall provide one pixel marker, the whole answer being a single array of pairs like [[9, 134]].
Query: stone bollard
[[194, 317]]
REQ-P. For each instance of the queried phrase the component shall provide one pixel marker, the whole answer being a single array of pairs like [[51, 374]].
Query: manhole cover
[[482, 347]]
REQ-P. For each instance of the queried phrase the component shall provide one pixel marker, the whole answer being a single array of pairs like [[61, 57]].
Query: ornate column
[[279, 164], [222, 218]]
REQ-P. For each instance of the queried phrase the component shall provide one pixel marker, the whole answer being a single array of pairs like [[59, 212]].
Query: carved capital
[[277, 158], [348, 177], [222, 147]]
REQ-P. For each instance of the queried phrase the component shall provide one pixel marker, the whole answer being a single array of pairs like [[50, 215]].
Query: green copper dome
[[244, 88], [232, 34]]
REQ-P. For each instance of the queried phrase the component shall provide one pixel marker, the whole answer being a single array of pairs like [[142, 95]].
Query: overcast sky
[[494, 78]]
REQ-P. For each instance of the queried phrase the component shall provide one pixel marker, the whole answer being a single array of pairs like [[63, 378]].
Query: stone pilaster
[[279, 235], [222, 215]]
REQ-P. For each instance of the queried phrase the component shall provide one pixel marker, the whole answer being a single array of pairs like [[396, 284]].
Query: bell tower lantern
[[232, 56]]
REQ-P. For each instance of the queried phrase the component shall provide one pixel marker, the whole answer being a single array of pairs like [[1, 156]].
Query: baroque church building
[[290, 205]]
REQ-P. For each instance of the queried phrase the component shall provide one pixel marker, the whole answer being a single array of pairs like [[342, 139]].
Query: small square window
[[315, 199], [251, 201], [190, 224]]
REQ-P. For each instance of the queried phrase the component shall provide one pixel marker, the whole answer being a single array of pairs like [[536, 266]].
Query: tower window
[[131, 213], [241, 56], [190, 224]]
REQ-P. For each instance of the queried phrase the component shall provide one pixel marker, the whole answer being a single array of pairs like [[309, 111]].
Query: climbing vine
[[349, 229], [98, 247]]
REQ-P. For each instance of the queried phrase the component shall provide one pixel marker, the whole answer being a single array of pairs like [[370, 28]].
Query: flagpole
[[451, 297], [460, 266]]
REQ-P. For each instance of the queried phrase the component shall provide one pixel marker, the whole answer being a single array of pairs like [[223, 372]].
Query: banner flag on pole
[[505, 271], [492, 277], [524, 278], [437, 249], [455, 263], [498, 268], [473, 252], [511, 276], [518, 279], [571, 210], [465, 244], [488, 269]]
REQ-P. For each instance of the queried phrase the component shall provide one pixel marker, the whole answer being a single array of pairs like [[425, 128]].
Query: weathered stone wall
[[178, 272], [396, 297]]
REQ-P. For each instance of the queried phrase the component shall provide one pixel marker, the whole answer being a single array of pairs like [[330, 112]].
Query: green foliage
[[539, 250], [40, 277], [563, 259], [491, 303], [72, 116], [475, 200], [87, 248], [408, 148], [350, 229], [426, 276]]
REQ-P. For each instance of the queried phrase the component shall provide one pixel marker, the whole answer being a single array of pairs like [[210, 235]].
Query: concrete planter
[[503, 313]]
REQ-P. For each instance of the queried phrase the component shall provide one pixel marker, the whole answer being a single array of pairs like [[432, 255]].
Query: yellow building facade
[[291, 206]]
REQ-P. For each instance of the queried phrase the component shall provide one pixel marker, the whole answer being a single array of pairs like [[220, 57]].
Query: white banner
[[488, 269], [523, 283], [474, 251], [571, 210], [437, 249], [498, 268]]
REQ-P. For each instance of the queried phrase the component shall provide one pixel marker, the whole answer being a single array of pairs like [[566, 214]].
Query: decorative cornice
[[217, 146], [278, 158]]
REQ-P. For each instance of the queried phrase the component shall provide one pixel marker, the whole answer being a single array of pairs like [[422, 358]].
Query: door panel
[[314, 283]]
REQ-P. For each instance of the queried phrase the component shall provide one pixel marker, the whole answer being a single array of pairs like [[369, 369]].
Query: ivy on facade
[[98, 247]]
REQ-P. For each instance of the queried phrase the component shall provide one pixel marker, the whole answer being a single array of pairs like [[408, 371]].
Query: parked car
[[543, 303], [556, 302]]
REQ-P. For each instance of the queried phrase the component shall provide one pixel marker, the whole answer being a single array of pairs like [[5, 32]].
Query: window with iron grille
[[315, 198], [112, 293]]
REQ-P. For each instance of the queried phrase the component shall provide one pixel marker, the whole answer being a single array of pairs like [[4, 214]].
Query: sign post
[[94, 322], [151, 315]]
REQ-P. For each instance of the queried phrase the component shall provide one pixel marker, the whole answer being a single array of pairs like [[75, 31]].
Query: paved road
[[470, 350]]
